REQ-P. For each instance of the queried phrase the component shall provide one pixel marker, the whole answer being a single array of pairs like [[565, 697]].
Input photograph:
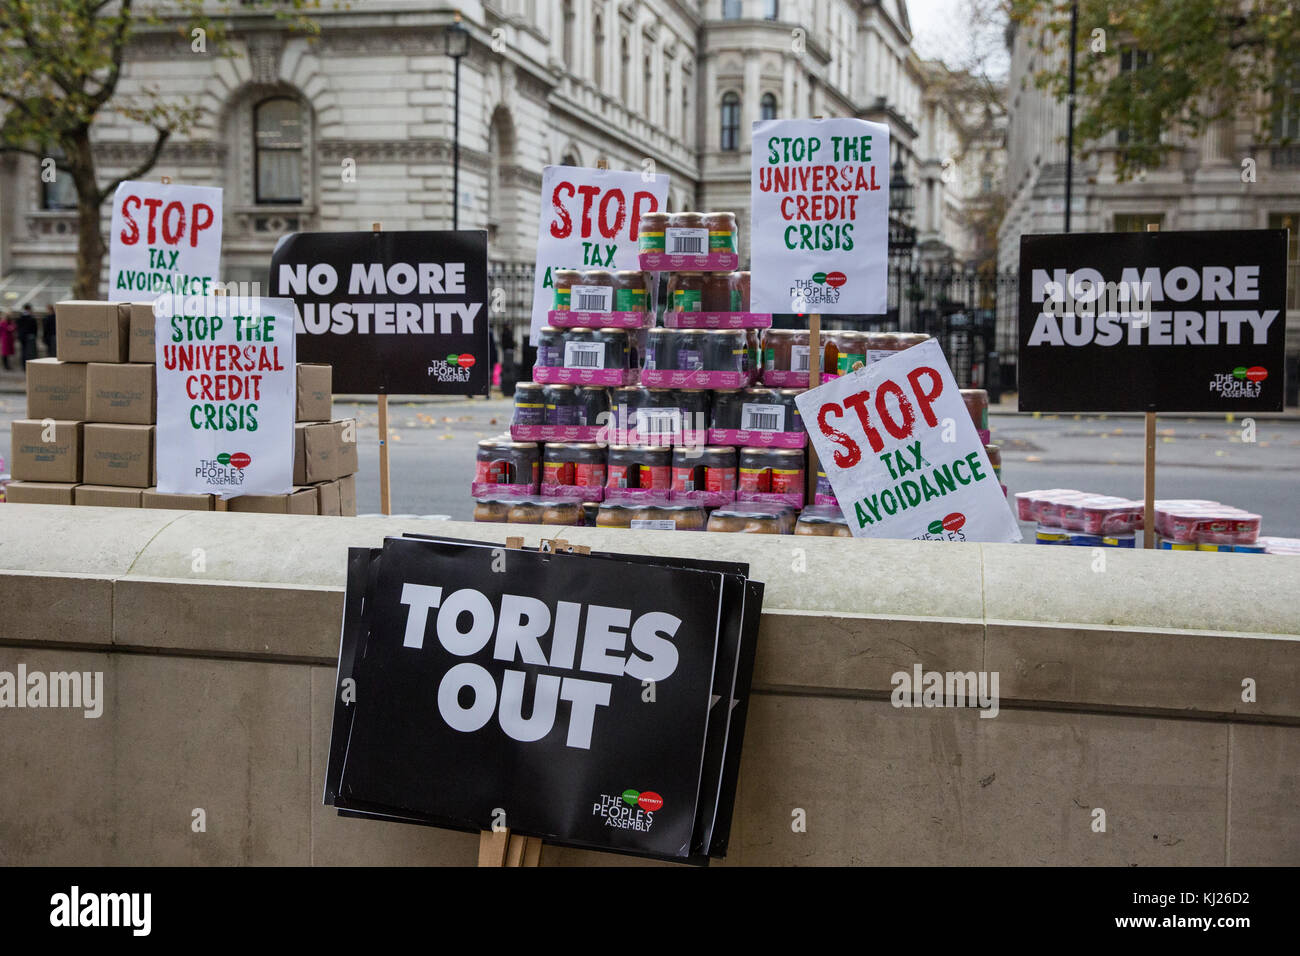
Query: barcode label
[[875, 355], [689, 241], [591, 298], [799, 358], [659, 421], [762, 418], [654, 524], [584, 355]]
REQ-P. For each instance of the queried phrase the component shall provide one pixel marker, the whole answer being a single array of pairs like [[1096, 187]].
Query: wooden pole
[[385, 495], [1149, 467], [1149, 514], [814, 379]]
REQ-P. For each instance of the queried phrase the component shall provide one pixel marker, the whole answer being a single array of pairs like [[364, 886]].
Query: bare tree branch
[[144, 167]]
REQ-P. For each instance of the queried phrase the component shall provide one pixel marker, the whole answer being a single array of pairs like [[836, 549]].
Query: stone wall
[[1121, 690]]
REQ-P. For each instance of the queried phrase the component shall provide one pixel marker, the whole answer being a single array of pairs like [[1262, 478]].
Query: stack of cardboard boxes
[[89, 434]]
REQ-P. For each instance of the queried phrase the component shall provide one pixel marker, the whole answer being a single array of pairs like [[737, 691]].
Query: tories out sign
[[510, 687], [227, 394], [902, 454], [820, 201], [163, 239], [1158, 322], [589, 220], [391, 311]]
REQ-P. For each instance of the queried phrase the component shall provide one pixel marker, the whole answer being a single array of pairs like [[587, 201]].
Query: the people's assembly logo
[[224, 470], [1241, 382], [820, 289], [454, 368], [629, 810]]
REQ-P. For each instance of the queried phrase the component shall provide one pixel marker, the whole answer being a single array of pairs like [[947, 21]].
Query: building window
[[62, 192], [569, 160], [1286, 117], [277, 139], [566, 41], [767, 106], [598, 71], [1138, 221], [1290, 221], [1133, 63], [626, 63], [647, 85], [731, 9], [668, 94], [770, 9], [730, 121], [686, 104]]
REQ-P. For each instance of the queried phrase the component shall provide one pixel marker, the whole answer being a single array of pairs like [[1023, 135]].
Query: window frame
[[730, 101], [299, 151]]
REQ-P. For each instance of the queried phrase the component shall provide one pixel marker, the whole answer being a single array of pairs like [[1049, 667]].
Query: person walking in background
[[7, 329], [27, 334], [47, 332]]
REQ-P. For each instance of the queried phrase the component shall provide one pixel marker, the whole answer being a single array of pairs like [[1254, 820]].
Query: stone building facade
[[355, 126]]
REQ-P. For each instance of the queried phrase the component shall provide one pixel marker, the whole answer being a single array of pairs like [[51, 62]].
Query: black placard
[[392, 312], [404, 761], [1208, 335]]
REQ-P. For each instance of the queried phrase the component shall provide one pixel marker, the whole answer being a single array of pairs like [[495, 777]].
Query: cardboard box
[[124, 394], [348, 496], [107, 496], [315, 393], [329, 499], [141, 347], [301, 502], [118, 455], [39, 492], [153, 498], [326, 452], [56, 389], [92, 331], [35, 459]]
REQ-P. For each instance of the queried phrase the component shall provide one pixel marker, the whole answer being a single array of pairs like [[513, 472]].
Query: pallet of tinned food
[[575, 319], [554, 375], [688, 262], [717, 320]]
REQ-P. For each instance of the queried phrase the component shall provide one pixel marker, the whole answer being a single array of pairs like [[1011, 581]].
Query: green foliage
[[1198, 61], [60, 66]]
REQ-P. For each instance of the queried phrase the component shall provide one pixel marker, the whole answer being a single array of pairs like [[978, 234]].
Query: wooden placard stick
[[385, 495], [814, 379], [1149, 467]]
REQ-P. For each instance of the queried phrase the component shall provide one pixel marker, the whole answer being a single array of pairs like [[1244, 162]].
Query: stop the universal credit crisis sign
[[226, 395]]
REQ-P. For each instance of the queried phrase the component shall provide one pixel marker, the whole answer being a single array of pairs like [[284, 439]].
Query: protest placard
[[902, 453], [164, 238], [227, 395], [820, 209], [589, 221]]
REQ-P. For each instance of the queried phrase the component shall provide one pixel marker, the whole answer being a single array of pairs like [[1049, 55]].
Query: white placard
[[164, 239], [820, 211], [227, 395], [589, 221], [902, 454]]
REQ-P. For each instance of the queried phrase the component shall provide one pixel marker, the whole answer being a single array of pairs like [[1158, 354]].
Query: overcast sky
[[941, 30]]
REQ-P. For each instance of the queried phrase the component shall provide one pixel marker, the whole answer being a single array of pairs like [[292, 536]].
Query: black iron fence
[[972, 314]]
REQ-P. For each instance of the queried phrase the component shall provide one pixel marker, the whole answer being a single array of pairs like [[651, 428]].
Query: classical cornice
[[177, 151], [397, 150]]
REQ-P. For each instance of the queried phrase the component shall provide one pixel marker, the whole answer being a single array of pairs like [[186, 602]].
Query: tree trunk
[[90, 243]]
